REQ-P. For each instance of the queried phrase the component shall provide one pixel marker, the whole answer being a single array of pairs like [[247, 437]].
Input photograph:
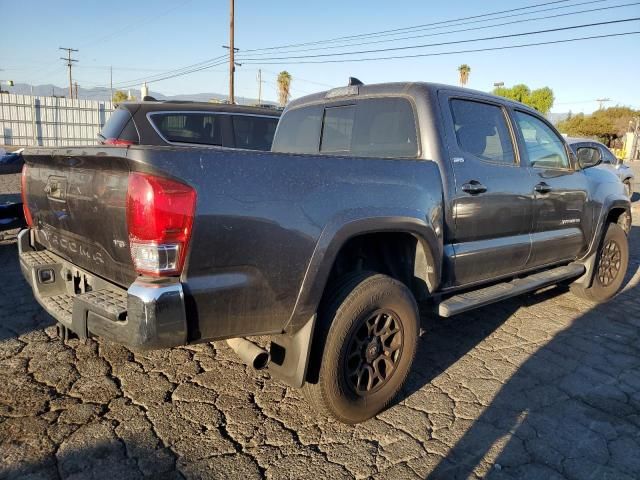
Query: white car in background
[[591, 152]]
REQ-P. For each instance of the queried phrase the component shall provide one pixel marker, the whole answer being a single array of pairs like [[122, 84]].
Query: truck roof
[[392, 89]]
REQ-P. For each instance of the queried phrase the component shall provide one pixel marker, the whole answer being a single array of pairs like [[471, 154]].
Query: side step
[[484, 296]]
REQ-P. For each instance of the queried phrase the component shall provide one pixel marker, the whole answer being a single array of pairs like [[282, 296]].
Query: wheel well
[[621, 217], [397, 254]]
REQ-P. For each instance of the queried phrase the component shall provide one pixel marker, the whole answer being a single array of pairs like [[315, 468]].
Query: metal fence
[[50, 121]]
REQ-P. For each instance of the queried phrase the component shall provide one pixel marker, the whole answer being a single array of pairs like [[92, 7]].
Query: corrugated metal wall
[[50, 121]]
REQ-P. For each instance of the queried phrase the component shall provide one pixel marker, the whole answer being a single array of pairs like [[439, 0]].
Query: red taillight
[[159, 216], [23, 192], [117, 141]]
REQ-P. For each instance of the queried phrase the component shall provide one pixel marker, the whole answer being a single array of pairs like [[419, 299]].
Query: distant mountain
[[105, 94], [557, 117]]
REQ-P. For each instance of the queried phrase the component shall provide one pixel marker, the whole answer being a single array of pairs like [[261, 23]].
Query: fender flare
[[610, 203], [336, 234]]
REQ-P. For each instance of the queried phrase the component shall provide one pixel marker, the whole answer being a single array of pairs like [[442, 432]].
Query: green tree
[[541, 99], [119, 96], [463, 74], [284, 87], [606, 124]]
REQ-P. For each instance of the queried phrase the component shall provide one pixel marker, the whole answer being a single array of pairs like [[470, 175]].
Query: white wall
[[50, 121]]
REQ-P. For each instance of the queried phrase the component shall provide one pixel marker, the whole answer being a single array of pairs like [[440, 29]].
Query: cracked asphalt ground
[[542, 386]]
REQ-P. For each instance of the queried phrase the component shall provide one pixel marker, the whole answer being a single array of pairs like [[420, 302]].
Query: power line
[[454, 42], [133, 27], [48, 67], [435, 54], [205, 67], [361, 35], [216, 61], [513, 22], [313, 82], [196, 67], [211, 60]]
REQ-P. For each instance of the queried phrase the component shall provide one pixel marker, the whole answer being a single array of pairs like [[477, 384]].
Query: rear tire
[[610, 268], [366, 342]]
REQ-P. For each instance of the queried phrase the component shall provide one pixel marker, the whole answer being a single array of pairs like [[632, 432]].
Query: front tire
[[627, 188], [367, 340], [610, 268]]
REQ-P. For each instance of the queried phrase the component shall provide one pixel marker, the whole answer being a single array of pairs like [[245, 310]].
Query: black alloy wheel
[[610, 262], [374, 352]]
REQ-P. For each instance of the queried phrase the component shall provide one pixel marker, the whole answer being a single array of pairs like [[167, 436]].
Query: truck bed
[[258, 222]]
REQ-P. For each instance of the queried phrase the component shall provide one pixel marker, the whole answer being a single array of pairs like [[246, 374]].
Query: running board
[[484, 296]]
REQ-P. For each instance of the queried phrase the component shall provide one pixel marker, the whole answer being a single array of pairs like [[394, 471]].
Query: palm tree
[[284, 84], [464, 70]]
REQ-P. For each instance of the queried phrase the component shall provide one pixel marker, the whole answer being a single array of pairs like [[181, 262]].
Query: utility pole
[[232, 51], [259, 86], [601, 102], [232, 68], [69, 61], [75, 85], [111, 81]]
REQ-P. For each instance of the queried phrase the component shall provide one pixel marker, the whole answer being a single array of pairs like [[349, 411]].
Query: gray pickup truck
[[373, 200]]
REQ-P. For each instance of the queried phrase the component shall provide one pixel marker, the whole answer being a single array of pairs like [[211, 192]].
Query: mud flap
[[290, 355]]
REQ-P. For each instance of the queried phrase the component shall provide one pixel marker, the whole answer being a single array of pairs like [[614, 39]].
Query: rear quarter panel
[[262, 217]]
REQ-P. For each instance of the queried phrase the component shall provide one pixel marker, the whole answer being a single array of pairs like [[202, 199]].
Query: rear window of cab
[[374, 127]]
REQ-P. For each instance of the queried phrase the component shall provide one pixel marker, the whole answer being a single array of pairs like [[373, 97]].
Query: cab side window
[[299, 131], [481, 130], [544, 147], [375, 127]]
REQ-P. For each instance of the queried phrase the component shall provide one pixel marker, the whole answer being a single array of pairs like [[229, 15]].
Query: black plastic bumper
[[149, 314]]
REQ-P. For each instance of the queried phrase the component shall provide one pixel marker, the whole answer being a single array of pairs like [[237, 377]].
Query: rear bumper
[[149, 314]]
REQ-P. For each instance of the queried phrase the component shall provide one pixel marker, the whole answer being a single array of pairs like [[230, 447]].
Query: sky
[[144, 39]]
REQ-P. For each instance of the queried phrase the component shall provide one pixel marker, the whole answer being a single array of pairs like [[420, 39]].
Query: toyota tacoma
[[373, 200]]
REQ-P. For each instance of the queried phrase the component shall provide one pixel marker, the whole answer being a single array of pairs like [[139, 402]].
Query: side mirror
[[588, 157]]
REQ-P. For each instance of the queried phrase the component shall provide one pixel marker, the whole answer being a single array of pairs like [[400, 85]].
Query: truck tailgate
[[78, 206]]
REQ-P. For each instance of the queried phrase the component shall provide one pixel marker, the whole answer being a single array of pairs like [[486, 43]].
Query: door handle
[[542, 188], [474, 187]]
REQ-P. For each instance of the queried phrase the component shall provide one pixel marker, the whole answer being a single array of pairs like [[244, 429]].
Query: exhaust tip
[[261, 361], [250, 353]]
